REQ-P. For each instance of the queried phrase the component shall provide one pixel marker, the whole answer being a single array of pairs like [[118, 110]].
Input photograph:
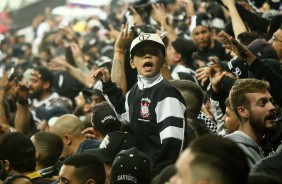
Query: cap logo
[[105, 142], [237, 71], [144, 37], [205, 23], [126, 178], [108, 117]]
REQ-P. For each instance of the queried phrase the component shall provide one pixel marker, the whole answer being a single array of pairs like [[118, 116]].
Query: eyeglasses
[[274, 38]]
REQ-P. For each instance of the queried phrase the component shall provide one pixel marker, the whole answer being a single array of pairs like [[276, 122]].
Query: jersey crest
[[145, 104]]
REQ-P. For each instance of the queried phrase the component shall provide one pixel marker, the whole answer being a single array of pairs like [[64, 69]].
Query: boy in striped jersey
[[153, 108]]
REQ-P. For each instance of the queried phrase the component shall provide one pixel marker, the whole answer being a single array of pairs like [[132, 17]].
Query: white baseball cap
[[146, 37]]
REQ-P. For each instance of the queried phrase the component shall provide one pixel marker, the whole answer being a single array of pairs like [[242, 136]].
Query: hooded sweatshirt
[[252, 150]]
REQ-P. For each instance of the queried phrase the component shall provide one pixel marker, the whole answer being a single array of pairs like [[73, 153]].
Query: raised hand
[[124, 38], [22, 93], [228, 42], [136, 17], [58, 64], [101, 73], [202, 75], [159, 12], [113, 32], [68, 33], [89, 133], [76, 51], [214, 71]]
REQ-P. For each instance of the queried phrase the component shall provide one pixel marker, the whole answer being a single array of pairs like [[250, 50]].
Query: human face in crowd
[[96, 100], [202, 37], [184, 174], [276, 42], [36, 86], [148, 59], [231, 121], [66, 175], [172, 55], [261, 112]]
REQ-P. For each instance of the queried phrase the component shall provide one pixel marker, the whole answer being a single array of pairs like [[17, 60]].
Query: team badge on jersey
[[145, 104]]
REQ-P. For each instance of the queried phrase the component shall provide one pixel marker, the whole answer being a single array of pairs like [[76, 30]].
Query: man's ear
[[90, 181], [37, 155], [177, 56], [243, 112], [132, 64], [7, 165], [67, 139], [46, 84]]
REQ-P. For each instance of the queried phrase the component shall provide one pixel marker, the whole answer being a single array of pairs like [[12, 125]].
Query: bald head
[[68, 124]]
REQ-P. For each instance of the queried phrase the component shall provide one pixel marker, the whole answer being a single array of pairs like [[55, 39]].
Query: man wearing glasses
[[276, 42]]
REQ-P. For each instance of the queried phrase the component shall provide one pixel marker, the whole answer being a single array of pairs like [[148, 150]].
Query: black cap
[[88, 92], [203, 19], [238, 67], [112, 144], [131, 166], [103, 119], [45, 74]]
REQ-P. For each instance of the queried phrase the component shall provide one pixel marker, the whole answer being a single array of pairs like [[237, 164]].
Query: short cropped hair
[[192, 94], [87, 167], [219, 159], [50, 147], [19, 150], [237, 95]]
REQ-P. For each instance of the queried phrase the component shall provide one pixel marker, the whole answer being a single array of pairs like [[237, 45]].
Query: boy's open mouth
[[147, 65]]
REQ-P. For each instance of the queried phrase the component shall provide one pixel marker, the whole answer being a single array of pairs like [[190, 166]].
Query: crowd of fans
[[169, 91]]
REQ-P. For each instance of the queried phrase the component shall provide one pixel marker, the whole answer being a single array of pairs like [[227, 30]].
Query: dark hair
[[87, 167], [216, 11], [227, 103], [50, 147], [165, 175], [237, 95], [186, 48], [246, 38], [18, 149], [192, 94], [222, 156], [45, 74], [195, 128]]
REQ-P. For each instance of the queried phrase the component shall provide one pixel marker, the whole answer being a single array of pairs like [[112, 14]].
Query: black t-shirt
[[217, 51]]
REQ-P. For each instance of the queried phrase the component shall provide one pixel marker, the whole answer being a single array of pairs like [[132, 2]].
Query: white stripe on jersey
[[172, 132], [169, 107]]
